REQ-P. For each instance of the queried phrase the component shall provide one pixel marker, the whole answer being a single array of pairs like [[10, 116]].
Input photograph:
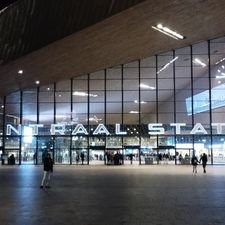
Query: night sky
[[4, 3]]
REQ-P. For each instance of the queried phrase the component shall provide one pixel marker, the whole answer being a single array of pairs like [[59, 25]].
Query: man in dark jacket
[[204, 160], [48, 169]]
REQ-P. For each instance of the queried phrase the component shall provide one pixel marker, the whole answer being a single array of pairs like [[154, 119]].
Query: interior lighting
[[167, 31], [20, 71], [94, 118], [198, 61], [168, 64], [221, 60], [147, 86], [221, 72], [133, 112], [37, 82], [220, 77], [142, 102], [79, 93]]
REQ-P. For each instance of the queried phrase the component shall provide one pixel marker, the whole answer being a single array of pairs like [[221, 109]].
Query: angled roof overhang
[[122, 38]]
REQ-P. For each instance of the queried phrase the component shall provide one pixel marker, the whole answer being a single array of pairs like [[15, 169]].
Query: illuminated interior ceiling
[[56, 40]]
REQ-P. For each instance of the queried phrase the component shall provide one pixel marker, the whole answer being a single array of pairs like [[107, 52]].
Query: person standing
[[48, 169], [204, 160], [194, 162], [82, 158]]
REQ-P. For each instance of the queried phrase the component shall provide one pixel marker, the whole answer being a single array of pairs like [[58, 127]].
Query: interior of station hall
[[159, 109]]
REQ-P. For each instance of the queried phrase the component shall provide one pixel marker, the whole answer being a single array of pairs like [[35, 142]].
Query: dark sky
[[4, 3]]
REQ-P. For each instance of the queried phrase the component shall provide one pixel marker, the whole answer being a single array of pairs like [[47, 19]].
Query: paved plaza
[[113, 195]]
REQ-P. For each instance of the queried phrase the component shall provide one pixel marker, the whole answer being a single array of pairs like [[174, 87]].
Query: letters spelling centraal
[[101, 129]]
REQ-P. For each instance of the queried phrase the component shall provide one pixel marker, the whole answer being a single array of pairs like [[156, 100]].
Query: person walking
[[48, 169], [194, 162], [204, 160]]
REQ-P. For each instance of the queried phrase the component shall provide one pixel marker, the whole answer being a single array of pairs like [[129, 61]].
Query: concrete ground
[[113, 195]]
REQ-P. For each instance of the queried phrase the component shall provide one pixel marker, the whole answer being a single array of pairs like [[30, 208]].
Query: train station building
[[142, 79]]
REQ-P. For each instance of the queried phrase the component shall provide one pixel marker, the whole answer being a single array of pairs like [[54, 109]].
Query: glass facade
[[161, 109]]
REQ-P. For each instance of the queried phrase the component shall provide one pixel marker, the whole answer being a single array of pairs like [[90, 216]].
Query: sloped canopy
[[55, 40]]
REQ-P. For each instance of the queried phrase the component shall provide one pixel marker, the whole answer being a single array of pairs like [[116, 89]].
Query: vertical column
[[105, 100], [192, 98], [4, 129], [54, 118], [36, 155], [157, 102], [139, 110], [210, 101], [174, 101], [71, 118], [21, 122], [88, 102], [122, 102]]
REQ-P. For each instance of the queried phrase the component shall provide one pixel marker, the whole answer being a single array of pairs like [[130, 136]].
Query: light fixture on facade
[[147, 86], [94, 118], [199, 62], [133, 112], [142, 102], [79, 93], [220, 76], [221, 72], [20, 71], [221, 60], [168, 64], [167, 31]]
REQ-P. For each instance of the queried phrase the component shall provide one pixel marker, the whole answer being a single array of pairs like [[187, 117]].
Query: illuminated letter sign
[[35, 128], [177, 126], [79, 129], [118, 130], [11, 128], [198, 128], [57, 128], [218, 127], [155, 128], [101, 129]]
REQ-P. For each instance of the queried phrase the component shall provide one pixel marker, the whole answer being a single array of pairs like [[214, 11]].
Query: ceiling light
[[220, 77], [221, 60], [170, 62], [142, 102], [133, 111], [48, 89], [198, 61], [20, 71], [79, 93], [37, 82], [147, 86], [94, 118], [168, 32]]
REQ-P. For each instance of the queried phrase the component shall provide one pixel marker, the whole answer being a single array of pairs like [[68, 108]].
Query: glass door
[[97, 155], [131, 155]]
